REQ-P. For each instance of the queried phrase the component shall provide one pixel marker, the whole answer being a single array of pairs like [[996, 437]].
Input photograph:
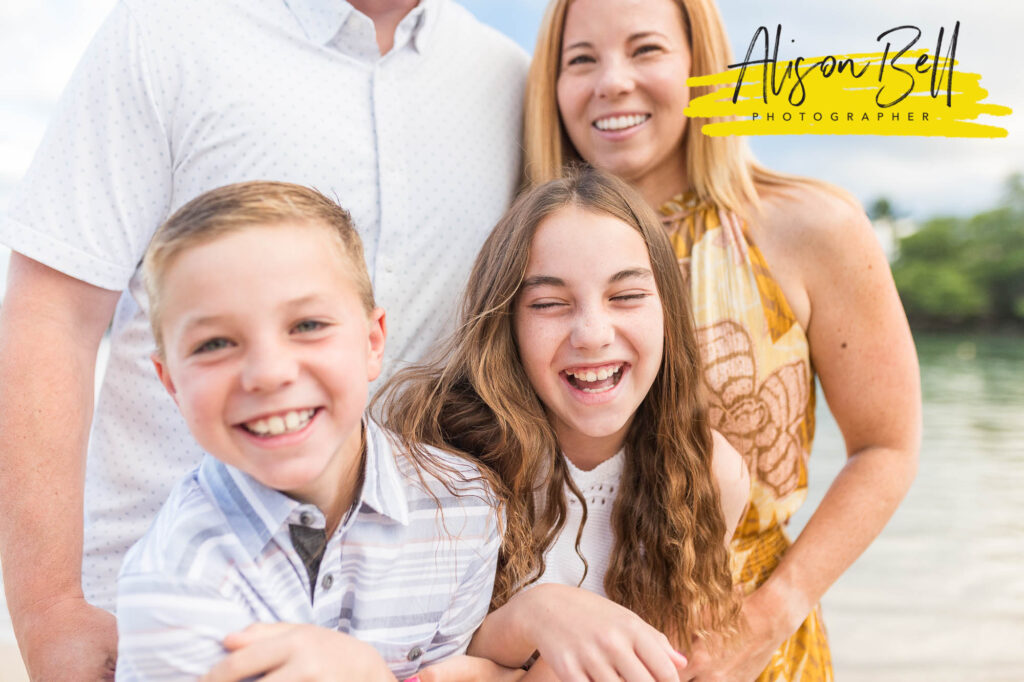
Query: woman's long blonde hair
[[720, 170], [669, 563]]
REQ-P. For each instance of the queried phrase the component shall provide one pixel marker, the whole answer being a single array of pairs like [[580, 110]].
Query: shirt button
[[327, 581], [414, 653], [306, 519]]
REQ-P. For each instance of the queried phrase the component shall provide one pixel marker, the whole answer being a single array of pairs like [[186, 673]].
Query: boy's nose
[[268, 367]]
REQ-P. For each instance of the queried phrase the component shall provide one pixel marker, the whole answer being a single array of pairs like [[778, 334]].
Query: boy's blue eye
[[308, 326], [212, 345]]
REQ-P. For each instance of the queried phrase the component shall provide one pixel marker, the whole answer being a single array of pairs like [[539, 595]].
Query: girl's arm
[[733, 480], [864, 355], [580, 636]]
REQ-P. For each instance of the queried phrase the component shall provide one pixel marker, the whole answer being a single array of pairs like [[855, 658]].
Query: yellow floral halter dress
[[760, 385]]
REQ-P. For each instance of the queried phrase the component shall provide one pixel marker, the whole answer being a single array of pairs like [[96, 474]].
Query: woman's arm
[[864, 355]]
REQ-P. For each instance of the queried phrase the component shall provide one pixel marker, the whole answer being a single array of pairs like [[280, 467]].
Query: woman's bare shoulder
[[812, 216]]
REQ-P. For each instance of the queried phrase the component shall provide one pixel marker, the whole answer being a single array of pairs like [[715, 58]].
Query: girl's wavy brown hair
[[669, 564]]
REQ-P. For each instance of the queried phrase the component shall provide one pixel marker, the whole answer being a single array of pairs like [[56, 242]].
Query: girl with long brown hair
[[574, 377], [787, 281]]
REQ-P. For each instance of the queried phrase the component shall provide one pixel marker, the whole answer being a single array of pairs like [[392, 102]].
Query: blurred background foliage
[[963, 272]]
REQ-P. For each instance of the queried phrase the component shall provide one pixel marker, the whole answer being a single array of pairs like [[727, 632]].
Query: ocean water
[[940, 594]]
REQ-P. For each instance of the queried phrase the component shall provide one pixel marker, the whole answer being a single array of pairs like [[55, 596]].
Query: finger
[[631, 669], [248, 662], [659, 658], [566, 669], [255, 633], [540, 671], [294, 673], [598, 665]]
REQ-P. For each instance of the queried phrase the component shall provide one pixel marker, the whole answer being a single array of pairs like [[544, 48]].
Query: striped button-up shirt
[[409, 570]]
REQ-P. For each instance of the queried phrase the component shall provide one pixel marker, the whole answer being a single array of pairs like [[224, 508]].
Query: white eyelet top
[[599, 487]]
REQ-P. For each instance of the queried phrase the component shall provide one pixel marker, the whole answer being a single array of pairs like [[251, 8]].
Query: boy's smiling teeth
[[280, 423], [595, 379], [620, 122]]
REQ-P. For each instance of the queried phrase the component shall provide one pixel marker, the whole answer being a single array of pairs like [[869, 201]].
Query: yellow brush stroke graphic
[[842, 103]]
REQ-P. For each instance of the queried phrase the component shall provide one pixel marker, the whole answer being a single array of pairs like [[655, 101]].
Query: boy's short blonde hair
[[244, 205]]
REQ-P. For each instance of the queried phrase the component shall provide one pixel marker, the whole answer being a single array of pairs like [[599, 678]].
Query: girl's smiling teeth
[[279, 424], [615, 123], [595, 379]]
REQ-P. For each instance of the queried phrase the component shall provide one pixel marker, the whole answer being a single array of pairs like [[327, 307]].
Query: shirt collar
[[255, 513], [323, 19], [383, 484]]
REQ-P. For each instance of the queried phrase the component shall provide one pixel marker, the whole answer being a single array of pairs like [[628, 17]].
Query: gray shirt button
[[306, 519], [327, 581], [414, 653]]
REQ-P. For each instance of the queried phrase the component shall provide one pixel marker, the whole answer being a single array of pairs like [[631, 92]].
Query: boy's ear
[[378, 332], [164, 375]]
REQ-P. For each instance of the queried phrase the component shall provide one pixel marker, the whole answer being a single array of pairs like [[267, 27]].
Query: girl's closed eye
[[633, 296], [546, 304]]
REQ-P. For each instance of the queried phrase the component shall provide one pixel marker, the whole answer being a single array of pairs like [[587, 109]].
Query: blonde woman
[[786, 281]]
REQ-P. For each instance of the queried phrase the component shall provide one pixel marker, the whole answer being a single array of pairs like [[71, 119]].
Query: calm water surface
[[940, 594]]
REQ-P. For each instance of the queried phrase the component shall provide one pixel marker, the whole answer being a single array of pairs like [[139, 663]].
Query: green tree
[[967, 270]]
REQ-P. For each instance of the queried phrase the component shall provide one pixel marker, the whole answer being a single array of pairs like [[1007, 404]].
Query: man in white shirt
[[406, 112]]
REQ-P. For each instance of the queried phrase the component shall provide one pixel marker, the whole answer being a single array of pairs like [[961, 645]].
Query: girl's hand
[[298, 653], [584, 637], [467, 669]]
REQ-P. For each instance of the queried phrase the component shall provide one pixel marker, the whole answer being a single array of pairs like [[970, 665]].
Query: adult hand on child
[[584, 637], [68, 639], [467, 669], [298, 653], [764, 627]]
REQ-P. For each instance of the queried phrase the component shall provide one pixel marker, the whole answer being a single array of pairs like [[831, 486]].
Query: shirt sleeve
[[471, 598], [170, 628], [100, 182]]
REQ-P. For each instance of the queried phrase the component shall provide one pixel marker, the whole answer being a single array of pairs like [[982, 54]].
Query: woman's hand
[[298, 653], [582, 637], [765, 625]]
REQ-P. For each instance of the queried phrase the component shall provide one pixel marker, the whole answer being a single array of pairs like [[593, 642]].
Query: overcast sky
[[40, 41]]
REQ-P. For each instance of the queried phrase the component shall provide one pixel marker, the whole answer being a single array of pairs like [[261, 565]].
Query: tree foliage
[[966, 271]]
